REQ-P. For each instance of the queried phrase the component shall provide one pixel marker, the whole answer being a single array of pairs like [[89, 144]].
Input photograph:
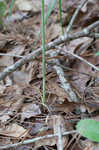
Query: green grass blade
[[51, 6], [43, 52], [11, 7], [60, 13]]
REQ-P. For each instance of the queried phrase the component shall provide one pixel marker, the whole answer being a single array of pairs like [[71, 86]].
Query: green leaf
[[89, 129]]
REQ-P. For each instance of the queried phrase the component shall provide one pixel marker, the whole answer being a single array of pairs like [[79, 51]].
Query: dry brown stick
[[60, 40]]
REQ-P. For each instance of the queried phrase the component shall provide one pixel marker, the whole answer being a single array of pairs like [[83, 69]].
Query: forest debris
[[60, 40]]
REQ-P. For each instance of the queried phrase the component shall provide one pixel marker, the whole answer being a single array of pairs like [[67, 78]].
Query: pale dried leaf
[[53, 31], [78, 42], [21, 78], [17, 50], [4, 118], [13, 130], [54, 88], [30, 110], [48, 141], [6, 61], [2, 88], [28, 5]]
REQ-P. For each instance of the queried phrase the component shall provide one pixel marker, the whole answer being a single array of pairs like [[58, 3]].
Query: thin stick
[[82, 59], [64, 82], [36, 139], [60, 143], [75, 15]]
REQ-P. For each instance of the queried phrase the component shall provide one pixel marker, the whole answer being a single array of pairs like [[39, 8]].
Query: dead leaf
[[14, 131], [6, 61], [54, 88], [74, 44], [28, 5], [30, 110], [21, 78]]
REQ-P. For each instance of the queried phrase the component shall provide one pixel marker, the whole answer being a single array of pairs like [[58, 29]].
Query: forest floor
[[72, 76]]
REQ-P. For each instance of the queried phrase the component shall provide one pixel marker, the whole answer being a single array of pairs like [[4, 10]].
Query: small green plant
[[44, 19], [89, 128], [51, 6]]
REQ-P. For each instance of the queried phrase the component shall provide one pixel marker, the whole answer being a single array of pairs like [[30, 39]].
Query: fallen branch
[[35, 139], [64, 82], [67, 37]]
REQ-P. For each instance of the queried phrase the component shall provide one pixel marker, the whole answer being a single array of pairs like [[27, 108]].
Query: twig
[[64, 82], [60, 143], [82, 59], [35, 139], [75, 15], [60, 40], [65, 85]]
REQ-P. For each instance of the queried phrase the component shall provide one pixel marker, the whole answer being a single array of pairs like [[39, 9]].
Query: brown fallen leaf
[[14, 131]]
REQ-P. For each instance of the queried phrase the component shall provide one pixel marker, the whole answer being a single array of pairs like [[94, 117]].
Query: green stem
[[11, 7], [60, 13], [43, 52]]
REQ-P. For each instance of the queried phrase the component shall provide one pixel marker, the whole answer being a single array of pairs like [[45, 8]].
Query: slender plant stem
[[11, 7], [43, 52], [60, 13]]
